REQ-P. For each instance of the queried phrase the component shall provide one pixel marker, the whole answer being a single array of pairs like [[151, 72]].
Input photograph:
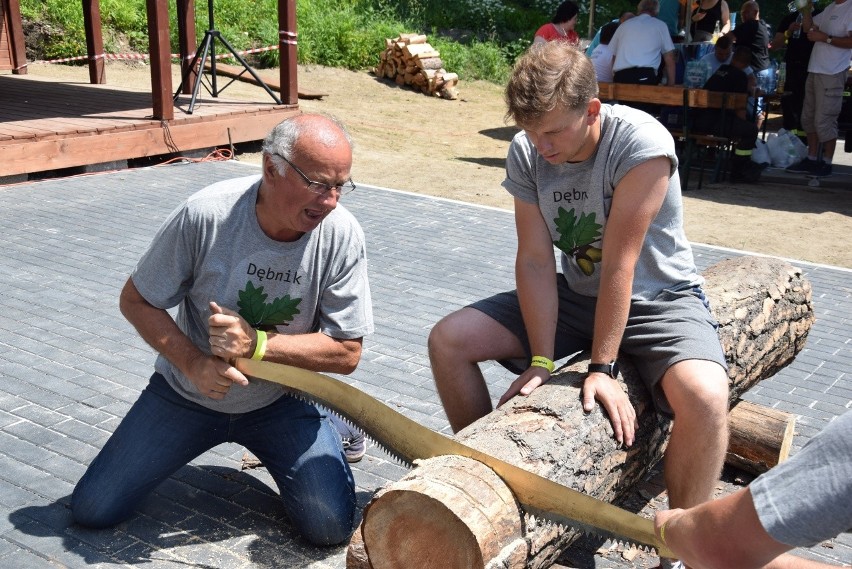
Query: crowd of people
[[641, 49], [634, 291]]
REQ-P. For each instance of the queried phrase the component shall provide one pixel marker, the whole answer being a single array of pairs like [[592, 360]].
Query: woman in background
[[561, 27], [705, 15]]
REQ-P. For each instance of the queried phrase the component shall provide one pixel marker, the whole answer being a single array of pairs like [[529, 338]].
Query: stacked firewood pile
[[410, 60]]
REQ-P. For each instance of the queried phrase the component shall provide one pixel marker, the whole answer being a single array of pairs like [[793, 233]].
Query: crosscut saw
[[408, 441]]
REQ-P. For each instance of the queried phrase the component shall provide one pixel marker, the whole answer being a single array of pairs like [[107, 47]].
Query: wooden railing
[[688, 100]]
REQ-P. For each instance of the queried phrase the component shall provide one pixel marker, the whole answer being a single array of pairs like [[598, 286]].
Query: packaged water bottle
[[798, 31], [716, 32], [782, 77]]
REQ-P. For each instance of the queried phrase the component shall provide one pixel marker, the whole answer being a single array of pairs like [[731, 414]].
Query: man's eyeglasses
[[320, 187]]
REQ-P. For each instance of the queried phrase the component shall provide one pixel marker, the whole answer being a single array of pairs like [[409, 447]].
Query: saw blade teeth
[[393, 455], [567, 524]]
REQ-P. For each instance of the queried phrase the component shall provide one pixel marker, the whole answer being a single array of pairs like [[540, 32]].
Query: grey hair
[[282, 140], [649, 6]]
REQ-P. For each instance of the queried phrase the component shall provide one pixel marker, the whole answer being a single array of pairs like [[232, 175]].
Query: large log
[[764, 309]]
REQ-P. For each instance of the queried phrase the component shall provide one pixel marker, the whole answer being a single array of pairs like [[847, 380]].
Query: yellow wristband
[[541, 361], [663, 532], [260, 349]]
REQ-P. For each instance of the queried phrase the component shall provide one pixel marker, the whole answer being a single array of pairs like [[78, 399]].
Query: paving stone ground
[[71, 366]]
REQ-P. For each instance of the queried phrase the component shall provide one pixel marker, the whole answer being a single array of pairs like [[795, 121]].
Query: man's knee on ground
[[92, 510]]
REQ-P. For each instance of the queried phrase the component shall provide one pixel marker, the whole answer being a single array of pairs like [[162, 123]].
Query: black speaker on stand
[[207, 48]]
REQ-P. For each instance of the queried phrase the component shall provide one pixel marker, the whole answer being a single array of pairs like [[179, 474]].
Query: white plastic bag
[[800, 147], [782, 149], [760, 154]]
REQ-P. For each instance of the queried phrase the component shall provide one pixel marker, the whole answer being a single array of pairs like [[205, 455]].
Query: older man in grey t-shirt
[[268, 267]]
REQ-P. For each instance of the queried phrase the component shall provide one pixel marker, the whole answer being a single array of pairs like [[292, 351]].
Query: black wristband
[[611, 369]]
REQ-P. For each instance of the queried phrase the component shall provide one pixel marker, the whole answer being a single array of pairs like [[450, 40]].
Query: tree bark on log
[[764, 309]]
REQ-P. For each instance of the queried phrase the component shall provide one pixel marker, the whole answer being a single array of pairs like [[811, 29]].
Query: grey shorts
[[823, 103], [675, 326]]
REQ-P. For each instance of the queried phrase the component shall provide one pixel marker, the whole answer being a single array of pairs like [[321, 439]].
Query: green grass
[[478, 39]]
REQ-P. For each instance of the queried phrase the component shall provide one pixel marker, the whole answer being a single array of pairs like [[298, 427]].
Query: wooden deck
[[47, 125]]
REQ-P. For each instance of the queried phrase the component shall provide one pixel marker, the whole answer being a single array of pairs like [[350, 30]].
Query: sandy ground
[[456, 149]]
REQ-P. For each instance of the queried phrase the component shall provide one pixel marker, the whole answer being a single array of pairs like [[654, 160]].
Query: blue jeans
[[766, 83], [163, 431]]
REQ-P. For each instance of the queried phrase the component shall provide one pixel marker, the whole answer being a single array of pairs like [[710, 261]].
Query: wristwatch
[[611, 369], [828, 40]]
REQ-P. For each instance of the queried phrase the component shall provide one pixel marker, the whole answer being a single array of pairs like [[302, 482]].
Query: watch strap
[[611, 369]]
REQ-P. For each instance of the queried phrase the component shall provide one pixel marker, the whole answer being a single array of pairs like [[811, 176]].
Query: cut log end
[[760, 437], [457, 510], [404, 526]]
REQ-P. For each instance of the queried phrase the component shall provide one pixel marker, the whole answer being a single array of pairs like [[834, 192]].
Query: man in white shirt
[[602, 55], [639, 45], [831, 32]]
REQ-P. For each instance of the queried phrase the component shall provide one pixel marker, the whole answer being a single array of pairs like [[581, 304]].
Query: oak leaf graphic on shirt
[[258, 313], [577, 238]]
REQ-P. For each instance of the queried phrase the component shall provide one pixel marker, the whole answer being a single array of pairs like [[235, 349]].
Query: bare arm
[[671, 75], [535, 275], [232, 337], [211, 375], [635, 204], [726, 19], [807, 21], [816, 35], [726, 534]]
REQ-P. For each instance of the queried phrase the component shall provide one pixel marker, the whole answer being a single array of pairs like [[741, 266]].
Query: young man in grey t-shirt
[[600, 182], [268, 267]]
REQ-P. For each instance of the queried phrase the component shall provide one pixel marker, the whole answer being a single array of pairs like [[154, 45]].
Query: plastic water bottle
[[798, 31], [716, 31]]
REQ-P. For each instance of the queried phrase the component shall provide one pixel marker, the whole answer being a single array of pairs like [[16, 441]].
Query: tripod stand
[[206, 48]]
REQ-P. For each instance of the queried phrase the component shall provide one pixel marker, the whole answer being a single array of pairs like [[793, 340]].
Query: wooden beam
[[94, 41], [16, 37], [287, 52], [186, 42], [158, 49], [155, 139]]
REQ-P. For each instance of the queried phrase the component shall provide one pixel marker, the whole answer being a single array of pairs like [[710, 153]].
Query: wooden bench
[[688, 101]]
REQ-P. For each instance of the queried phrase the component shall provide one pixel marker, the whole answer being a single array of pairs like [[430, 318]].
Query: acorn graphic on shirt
[[577, 238]]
